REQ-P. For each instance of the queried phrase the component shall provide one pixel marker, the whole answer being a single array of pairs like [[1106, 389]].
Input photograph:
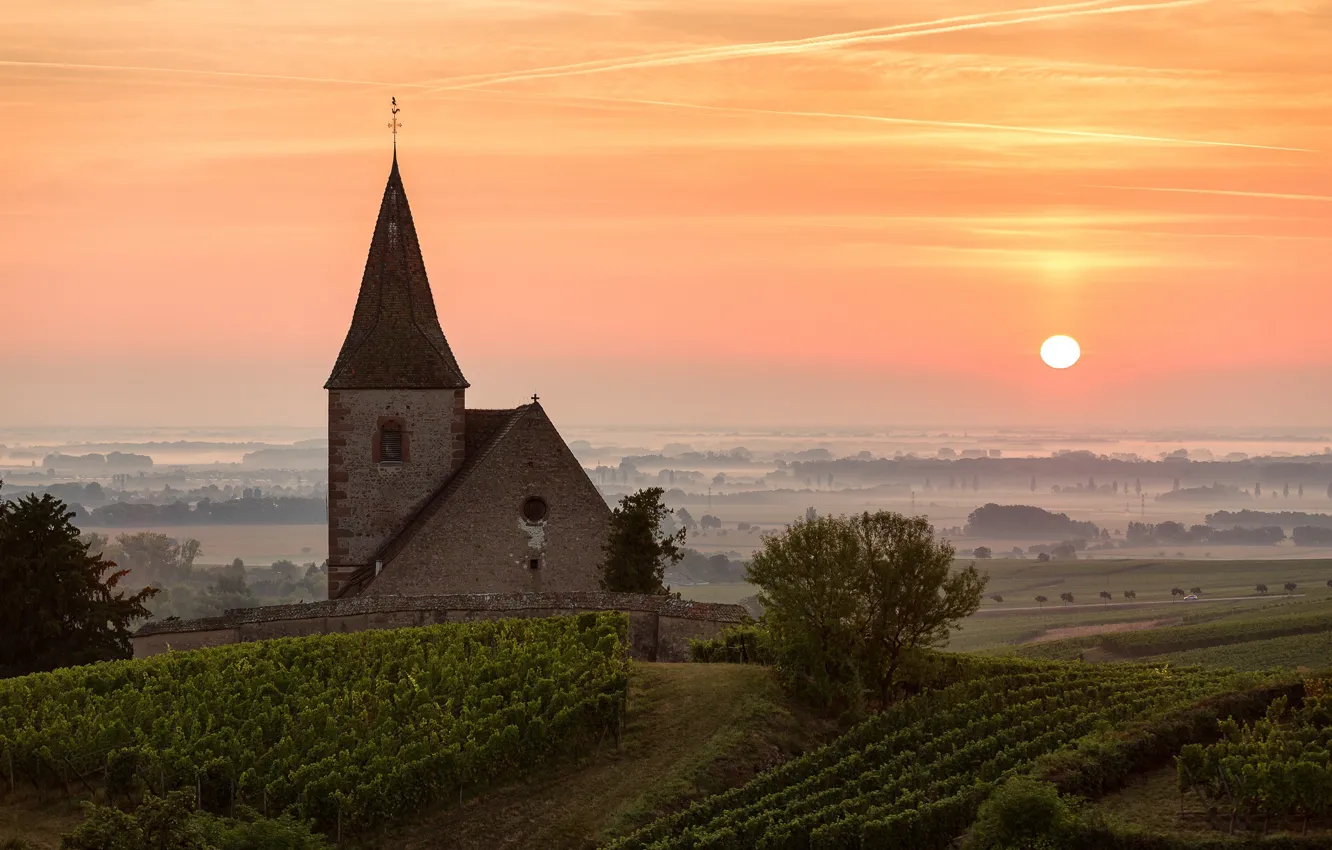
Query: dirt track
[[1103, 628]]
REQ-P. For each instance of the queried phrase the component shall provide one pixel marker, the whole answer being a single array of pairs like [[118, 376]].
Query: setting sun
[[1060, 352]]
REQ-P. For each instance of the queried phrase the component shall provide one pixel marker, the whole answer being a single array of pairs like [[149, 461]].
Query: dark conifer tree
[[637, 551], [60, 605]]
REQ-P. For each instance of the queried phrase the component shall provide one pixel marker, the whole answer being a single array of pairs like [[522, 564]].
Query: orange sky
[[721, 213]]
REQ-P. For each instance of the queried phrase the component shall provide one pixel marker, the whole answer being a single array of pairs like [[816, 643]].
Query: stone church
[[425, 495], [438, 513]]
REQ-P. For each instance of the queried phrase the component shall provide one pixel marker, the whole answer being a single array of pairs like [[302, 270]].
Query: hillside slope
[[691, 730]]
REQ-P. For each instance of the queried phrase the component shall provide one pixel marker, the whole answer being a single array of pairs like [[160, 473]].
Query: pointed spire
[[395, 341]]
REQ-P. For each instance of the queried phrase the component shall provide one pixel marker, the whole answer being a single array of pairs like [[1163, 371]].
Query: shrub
[[747, 644], [170, 823], [1022, 814]]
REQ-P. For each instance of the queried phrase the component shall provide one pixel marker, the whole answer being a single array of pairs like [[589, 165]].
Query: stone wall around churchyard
[[660, 627]]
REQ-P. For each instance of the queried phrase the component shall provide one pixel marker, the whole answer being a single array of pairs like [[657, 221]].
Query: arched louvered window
[[390, 443]]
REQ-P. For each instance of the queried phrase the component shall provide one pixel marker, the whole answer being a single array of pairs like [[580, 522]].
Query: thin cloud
[[812, 44], [957, 125], [1234, 193], [80, 66]]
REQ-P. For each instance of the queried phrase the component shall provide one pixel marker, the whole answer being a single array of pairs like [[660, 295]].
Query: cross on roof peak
[[394, 124]]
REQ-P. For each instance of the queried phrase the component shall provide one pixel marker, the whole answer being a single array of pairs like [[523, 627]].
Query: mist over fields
[[1181, 494]]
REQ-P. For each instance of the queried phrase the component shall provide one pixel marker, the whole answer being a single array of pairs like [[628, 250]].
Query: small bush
[[748, 644], [170, 823], [1022, 814]]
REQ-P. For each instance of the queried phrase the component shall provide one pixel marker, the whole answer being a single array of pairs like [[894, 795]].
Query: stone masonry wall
[[369, 501], [478, 541], [659, 629]]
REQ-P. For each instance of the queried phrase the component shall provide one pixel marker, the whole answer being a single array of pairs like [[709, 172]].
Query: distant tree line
[[111, 462], [152, 559], [1176, 534], [712, 568], [1311, 535], [1285, 519], [993, 520], [290, 510]]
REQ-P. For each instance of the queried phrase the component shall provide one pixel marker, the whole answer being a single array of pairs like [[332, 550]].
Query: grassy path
[[692, 729]]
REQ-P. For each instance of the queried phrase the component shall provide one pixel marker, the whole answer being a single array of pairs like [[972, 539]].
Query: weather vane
[[394, 124]]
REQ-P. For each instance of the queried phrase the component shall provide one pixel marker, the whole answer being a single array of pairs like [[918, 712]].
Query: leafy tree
[[1066, 597], [286, 570], [1041, 600], [997, 598], [1177, 592], [1105, 594], [1196, 591], [1329, 582], [1044, 556], [60, 604], [1290, 587], [153, 558], [982, 552], [637, 552], [1262, 588], [229, 590], [1130, 594], [685, 519], [846, 598]]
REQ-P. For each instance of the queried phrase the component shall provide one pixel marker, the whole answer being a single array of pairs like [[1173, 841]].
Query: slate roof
[[485, 429], [592, 600], [395, 341]]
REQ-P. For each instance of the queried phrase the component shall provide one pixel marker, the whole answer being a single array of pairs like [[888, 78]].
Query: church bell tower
[[396, 403]]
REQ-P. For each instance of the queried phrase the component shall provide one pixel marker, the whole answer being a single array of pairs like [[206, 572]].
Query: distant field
[[1014, 621], [1020, 581], [256, 545]]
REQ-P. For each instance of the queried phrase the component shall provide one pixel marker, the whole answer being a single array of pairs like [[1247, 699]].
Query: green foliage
[[354, 728], [915, 775], [171, 823], [1311, 651], [1276, 767], [846, 597], [154, 558], [1021, 814], [229, 591], [748, 644], [60, 605], [1104, 762], [637, 551]]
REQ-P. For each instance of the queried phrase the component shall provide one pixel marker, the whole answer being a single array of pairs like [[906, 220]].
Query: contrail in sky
[[1234, 193], [960, 125], [722, 51], [815, 43]]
